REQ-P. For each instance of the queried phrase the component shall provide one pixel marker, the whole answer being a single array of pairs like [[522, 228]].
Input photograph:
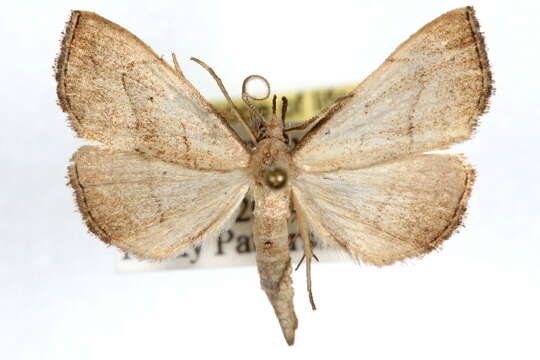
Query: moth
[[170, 173]]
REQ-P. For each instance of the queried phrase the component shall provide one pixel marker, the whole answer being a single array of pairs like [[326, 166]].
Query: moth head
[[275, 125]]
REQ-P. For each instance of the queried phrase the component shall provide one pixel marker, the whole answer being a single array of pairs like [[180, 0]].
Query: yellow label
[[303, 105]]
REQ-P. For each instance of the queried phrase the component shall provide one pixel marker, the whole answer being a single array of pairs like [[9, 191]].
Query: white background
[[477, 298]]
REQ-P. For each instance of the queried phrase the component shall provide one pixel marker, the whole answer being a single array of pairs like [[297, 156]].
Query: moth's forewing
[[427, 95], [117, 91]]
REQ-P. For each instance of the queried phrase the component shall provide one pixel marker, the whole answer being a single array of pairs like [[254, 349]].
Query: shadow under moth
[[170, 172]]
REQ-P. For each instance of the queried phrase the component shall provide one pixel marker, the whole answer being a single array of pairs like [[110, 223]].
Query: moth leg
[[302, 259], [308, 251], [300, 262], [307, 124], [176, 65], [292, 218], [227, 114]]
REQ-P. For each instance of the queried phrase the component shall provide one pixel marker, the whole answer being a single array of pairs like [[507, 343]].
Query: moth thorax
[[275, 178]]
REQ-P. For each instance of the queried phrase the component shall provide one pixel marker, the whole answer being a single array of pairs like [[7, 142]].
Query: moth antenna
[[284, 105], [176, 65], [247, 97], [236, 112]]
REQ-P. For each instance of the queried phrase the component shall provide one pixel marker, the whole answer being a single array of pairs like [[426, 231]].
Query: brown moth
[[170, 172]]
